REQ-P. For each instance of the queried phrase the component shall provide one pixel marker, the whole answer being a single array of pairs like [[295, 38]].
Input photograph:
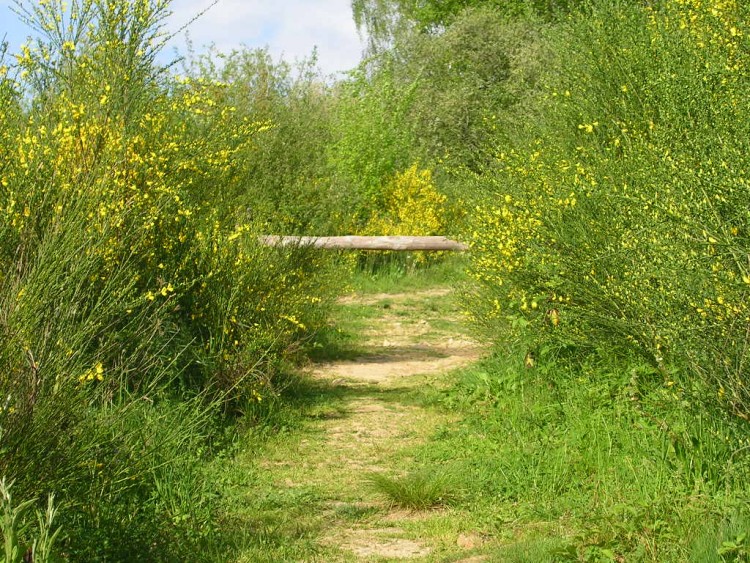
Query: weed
[[19, 543], [419, 490]]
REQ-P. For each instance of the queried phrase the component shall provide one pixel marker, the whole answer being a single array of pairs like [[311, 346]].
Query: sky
[[289, 28]]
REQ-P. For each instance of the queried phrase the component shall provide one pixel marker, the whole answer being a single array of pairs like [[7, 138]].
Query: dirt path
[[406, 341], [403, 347]]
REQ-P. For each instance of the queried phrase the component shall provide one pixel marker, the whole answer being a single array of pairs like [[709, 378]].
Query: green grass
[[446, 272], [391, 292], [567, 470], [419, 490], [564, 462], [280, 501]]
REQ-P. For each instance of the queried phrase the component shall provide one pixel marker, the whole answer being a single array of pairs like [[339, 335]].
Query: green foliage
[[284, 185], [430, 100], [385, 21], [382, 19], [723, 541], [618, 224], [480, 67], [604, 155], [15, 526], [136, 303], [419, 490], [371, 144], [444, 91]]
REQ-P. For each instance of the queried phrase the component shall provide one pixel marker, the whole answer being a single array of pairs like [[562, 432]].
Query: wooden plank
[[400, 243]]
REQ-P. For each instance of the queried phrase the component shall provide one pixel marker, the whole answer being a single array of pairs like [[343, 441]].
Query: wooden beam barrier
[[401, 243]]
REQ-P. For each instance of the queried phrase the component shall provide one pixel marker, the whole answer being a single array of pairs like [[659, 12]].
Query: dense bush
[[619, 224], [136, 304]]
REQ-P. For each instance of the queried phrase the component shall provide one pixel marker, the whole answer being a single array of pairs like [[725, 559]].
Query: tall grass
[[575, 464]]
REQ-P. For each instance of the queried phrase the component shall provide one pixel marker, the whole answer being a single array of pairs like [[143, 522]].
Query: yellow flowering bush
[[129, 276], [623, 219], [410, 205]]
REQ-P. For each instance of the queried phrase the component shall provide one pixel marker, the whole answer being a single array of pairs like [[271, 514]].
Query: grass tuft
[[419, 490]]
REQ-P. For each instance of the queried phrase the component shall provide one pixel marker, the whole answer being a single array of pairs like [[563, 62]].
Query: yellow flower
[[94, 374], [529, 360], [554, 317], [588, 127]]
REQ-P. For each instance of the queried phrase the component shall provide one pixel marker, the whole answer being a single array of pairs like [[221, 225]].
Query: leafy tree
[[439, 96], [475, 70], [384, 20]]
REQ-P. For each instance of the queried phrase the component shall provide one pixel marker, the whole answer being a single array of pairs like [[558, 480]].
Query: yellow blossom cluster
[[411, 205]]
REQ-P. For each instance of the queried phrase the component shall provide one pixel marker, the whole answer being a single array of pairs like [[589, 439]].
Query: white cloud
[[292, 28]]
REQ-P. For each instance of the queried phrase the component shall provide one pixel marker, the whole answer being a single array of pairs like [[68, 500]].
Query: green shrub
[[136, 302], [618, 224]]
